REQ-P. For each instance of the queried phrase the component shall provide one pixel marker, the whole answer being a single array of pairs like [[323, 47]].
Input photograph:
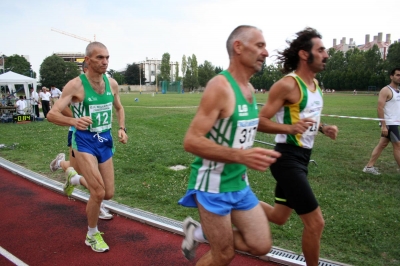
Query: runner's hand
[[122, 136], [331, 131], [259, 159], [301, 126], [83, 123]]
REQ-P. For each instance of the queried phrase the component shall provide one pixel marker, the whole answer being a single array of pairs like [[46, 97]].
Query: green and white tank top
[[97, 106], [237, 131], [309, 105]]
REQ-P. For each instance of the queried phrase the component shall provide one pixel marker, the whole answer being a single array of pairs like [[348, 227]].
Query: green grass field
[[361, 211]]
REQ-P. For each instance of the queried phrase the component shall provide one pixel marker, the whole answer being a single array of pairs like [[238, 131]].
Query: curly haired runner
[[296, 102]]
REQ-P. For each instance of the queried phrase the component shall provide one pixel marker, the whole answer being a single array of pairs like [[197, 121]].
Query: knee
[[261, 249], [109, 195], [317, 226], [383, 145], [98, 193], [279, 220], [223, 256]]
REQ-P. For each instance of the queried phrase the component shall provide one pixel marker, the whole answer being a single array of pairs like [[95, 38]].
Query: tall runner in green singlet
[[70, 167], [92, 96], [221, 135], [296, 102]]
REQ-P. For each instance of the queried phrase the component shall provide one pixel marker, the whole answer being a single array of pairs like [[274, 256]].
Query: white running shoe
[[53, 165], [104, 213], [189, 244], [371, 170]]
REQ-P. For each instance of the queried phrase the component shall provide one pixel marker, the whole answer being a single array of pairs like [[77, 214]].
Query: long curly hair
[[289, 57]]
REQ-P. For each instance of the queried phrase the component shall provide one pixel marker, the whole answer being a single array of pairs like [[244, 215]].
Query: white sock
[[58, 163], [92, 231], [198, 235], [75, 180]]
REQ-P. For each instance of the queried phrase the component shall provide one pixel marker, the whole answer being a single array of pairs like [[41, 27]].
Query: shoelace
[[100, 138], [98, 237]]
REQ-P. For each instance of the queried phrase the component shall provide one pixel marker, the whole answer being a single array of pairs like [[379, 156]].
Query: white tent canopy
[[11, 78]]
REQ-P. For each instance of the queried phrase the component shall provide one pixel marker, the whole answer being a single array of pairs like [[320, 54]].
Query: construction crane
[[73, 35]]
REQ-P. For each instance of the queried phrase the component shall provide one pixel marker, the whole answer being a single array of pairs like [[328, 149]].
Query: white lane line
[[11, 257]]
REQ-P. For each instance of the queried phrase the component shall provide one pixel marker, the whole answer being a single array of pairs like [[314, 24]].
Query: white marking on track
[[11, 257]]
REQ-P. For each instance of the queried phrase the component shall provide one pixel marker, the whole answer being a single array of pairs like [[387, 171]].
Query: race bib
[[316, 115], [245, 134], [101, 115]]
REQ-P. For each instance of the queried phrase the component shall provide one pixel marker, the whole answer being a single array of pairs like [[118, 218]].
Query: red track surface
[[41, 227]]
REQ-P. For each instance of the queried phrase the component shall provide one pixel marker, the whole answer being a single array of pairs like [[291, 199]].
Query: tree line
[[353, 69], [350, 70]]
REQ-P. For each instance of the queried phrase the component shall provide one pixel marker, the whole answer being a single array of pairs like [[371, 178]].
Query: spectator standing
[[34, 100], [45, 100], [20, 105], [55, 94], [389, 112]]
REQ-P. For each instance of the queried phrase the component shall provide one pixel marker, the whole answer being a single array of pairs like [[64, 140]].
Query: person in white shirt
[[21, 105], [34, 100], [45, 100], [389, 112], [55, 94]]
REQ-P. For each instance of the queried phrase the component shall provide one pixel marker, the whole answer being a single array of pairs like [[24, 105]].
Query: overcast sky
[[133, 30]]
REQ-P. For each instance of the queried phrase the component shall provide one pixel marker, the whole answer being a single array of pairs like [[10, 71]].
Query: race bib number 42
[[245, 134], [101, 115]]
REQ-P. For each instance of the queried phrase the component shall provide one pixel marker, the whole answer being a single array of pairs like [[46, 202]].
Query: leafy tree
[[71, 71], [266, 77], [392, 59], [18, 64], [206, 72], [55, 71], [111, 72], [195, 71], [218, 70], [191, 80], [132, 74], [119, 77], [373, 59], [184, 65], [165, 67]]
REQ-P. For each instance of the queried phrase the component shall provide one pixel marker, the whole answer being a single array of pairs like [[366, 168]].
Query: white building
[[383, 46], [152, 68]]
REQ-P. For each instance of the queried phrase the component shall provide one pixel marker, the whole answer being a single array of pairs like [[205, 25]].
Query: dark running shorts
[[393, 133], [69, 138], [290, 172]]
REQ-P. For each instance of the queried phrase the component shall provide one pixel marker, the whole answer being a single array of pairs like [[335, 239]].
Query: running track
[[42, 227]]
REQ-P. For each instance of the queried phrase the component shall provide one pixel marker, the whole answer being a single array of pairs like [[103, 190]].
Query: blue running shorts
[[70, 131], [99, 145], [221, 203]]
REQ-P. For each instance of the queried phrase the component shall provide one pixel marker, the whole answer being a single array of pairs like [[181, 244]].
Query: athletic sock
[[58, 163], [92, 231], [75, 180], [198, 235]]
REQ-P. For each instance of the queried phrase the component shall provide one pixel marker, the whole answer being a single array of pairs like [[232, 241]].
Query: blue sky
[[133, 30]]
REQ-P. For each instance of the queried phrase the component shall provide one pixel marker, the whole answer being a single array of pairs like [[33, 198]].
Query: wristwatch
[[123, 128]]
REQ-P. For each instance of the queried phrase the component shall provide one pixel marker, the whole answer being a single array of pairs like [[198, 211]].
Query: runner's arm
[[120, 112]]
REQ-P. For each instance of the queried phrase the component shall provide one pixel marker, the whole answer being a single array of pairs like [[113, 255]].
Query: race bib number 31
[[245, 134], [101, 115]]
